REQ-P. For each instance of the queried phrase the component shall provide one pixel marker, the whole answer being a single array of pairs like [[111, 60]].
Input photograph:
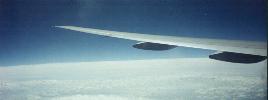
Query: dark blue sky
[[27, 35]]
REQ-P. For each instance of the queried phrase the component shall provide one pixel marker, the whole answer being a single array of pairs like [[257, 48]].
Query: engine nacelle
[[237, 57], [153, 46]]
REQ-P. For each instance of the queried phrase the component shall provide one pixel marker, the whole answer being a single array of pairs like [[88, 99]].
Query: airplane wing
[[230, 49]]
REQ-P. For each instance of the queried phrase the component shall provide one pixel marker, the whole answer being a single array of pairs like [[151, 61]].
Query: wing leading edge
[[243, 47]]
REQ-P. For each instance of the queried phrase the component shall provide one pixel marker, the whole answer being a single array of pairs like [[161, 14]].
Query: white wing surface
[[244, 47]]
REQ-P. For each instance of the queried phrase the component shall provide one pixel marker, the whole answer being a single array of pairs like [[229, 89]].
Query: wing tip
[[59, 26], [66, 27]]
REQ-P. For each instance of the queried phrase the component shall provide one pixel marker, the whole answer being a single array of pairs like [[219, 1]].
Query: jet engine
[[237, 57]]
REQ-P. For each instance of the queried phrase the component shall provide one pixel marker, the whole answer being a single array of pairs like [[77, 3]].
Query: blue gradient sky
[[27, 35]]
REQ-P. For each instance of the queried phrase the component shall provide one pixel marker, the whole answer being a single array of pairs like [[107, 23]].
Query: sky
[[27, 35]]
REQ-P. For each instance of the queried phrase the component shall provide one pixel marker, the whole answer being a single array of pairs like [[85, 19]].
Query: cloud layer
[[134, 80]]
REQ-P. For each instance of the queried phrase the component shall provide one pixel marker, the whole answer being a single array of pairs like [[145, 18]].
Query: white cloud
[[134, 80], [97, 97]]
